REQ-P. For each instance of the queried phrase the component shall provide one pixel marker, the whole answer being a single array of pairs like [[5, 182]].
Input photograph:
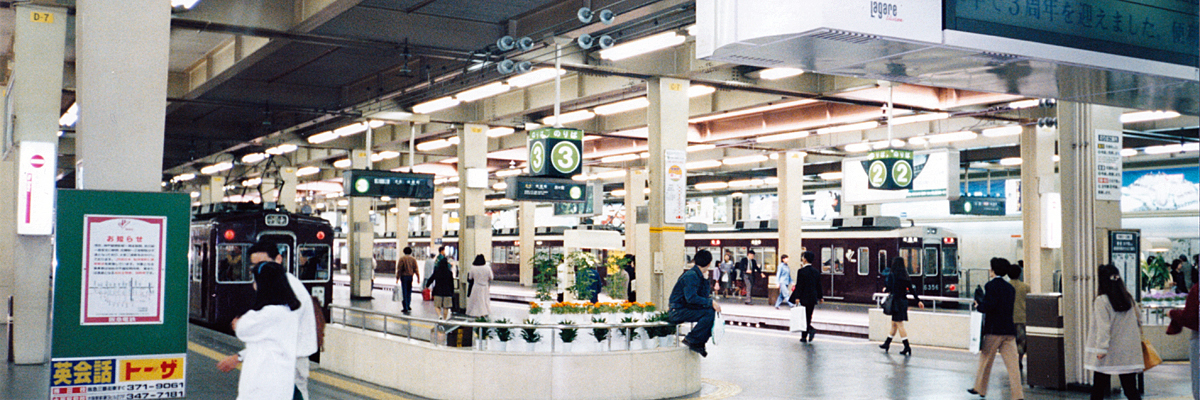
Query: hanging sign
[[35, 188], [675, 186], [555, 152], [1108, 165], [372, 183], [969, 205], [528, 188], [1123, 250], [889, 169]]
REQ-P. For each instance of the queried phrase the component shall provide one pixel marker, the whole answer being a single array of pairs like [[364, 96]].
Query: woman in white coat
[[270, 331], [1114, 340], [480, 276]]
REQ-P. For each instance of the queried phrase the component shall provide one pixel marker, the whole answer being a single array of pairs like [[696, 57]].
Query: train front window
[[196, 259], [912, 260], [313, 262], [949, 261], [931, 261], [233, 264]]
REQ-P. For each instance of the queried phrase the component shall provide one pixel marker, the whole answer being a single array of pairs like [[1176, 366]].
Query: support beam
[[791, 189], [526, 227], [667, 120], [475, 226], [1039, 187], [361, 237]]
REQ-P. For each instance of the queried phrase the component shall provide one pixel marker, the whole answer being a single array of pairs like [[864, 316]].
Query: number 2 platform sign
[[889, 169], [121, 279]]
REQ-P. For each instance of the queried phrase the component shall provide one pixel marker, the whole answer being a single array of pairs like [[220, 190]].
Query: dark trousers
[[1102, 386], [406, 291], [808, 309], [704, 323]]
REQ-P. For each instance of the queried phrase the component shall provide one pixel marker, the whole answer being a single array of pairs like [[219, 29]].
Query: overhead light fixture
[[351, 129], [619, 193], [781, 137], [908, 119], [773, 156], [482, 92], [1191, 146], [306, 171], [1056, 158], [711, 185], [252, 182], [635, 132], [642, 46], [571, 117], [184, 177], [1143, 116], [254, 157], [1017, 105], [857, 147], [218, 167], [700, 147], [771, 180], [745, 183], [535, 77], [451, 206], [771, 74], [282, 149], [951, 137], [500, 186], [691, 30], [1010, 161], [450, 191], [1128, 152], [451, 160], [385, 155], [883, 144], [343, 202], [195, 195], [623, 106], [861, 126], [918, 141], [342, 164], [454, 140], [757, 158], [434, 145], [588, 138], [185, 4], [700, 90], [69, 117], [385, 198], [614, 174], [322, 137], [644, 155], [509, 172], [830, 176], [582, 177], [702, 164], [748, 111], [1002, 131], [500, 131], [1164, 149], [436, 105]]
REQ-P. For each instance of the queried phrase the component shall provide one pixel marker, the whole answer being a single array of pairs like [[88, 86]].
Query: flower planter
[[566, 347], [649, 343], [666, 341], [530, 347], [500, 346]]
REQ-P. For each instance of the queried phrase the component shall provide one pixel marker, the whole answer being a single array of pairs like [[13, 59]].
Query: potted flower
[[629, 333], [530, 335], [568, 335], [582, 265], [665, 333], [601, 334], [503, 334], [545, 270], [617, 282]]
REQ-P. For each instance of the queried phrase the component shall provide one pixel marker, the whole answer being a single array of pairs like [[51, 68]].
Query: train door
[[197, 285], [912, 261], [930, 271], [949, 268], [833, 261]]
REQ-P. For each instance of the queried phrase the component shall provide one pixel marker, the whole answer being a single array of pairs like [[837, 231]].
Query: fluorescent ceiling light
[[771, 74], [450, 191], [436, 105], [254, 157], [534, 77], [385, 155], [391, 115], [857, 147], [351, 129], [195, 195], [322, 137], [500, 131], [1128, 152], [434, 145], [454, 140], [700, 90], [635, 132], [711, 186], [1017, 105], [616, 173], [702, 164], [830, 176], [342, 164], [1002, 131], [619, 193], [185, 177], [188, 4], [749, 111], [1010, 161], [451, 206], [509, 172], [644, 155], [306, 171], [700, 147], [951, 137], [500, 186], [588, 138], [451, 160], [343, 202], [883, 144], [70, 116], [781, 137], [215, 168], [918, 141], [1056, 158], [745, 183], [385, 198], [771, 180], [773, 156], [482, 92], [623, 106], [908, 119], [1164, 149], [574, 116], [582, 178], [691, 30], [849, 127], [757, 158], [642, 46], [251, 182], [282, 149], [1191, 147], [1143, 116]]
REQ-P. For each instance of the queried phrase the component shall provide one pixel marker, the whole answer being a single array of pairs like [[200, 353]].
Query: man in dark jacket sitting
[[691, 301]]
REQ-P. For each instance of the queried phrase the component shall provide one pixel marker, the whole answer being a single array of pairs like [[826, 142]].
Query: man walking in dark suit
[[691, 301], [749, 269], [999, 333], [808, 292]]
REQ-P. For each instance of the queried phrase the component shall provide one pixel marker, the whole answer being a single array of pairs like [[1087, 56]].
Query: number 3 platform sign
[[555, 152], [121, 278], [889, 169]]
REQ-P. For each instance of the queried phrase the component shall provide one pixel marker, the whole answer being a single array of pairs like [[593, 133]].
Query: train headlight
[[229, 235], [952, 288], [320, 235]]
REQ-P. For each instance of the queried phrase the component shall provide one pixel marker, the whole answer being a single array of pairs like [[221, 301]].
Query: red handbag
[[427, 294]]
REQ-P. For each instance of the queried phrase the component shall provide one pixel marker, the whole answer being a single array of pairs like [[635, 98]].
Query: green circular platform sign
[[565, 157], [362, 185], [537, 157], [902, 173], [877, 173]]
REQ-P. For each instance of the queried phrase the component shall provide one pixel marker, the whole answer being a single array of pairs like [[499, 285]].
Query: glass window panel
[[931, 261], [912, 260], [826, 259], [233, 265], [314, 263], [949, 261], [839, 260], [196, 261], [883, 263], [864, 261]]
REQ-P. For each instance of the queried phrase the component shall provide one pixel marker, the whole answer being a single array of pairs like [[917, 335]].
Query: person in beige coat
[[1114, 340], [480, 277]]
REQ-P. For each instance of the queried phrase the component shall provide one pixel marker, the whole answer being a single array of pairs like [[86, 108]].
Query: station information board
[[528, 188], [971, 205], [934, 176], [371, 183]]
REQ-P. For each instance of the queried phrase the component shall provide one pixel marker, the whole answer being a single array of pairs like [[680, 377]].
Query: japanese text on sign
[[1108, 165], [123, 270], [117, 378]]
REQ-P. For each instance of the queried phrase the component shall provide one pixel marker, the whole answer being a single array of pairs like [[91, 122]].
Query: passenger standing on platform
[[442, 282], [631, 293], [406, 270], [900, 286], [1114, 340], [1189, 317], [691, 301], [727, 280], [808, 292], [999, 334], [749, 269], [270, 330], [480, 284], [1178, 276], [783, 276], [1022, 290]]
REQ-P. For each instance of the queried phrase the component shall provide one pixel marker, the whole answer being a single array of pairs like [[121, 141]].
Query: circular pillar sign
[[565, 157], [37, 161], [537, 157], [362, 185], [889, 169]]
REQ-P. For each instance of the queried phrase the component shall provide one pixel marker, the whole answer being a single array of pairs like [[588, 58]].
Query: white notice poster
[[1108, 165], [675, 206], [123, 269]]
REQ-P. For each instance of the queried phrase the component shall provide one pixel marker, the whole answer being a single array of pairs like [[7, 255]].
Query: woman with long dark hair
[[270, 330], [900, 286], [1114, 340]]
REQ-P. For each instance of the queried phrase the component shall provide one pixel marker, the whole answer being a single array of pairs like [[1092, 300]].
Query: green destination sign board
[[528, 188], [371, 183], [555, 152], [969, 205], [1159, 30], [889, 169]]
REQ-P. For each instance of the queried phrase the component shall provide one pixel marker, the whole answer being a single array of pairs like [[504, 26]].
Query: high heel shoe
[[887, 343], [907, 350]]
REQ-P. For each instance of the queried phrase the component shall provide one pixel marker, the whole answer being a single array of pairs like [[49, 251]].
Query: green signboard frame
[[889, 169], [528, 188], [555, 152], [372, 183]]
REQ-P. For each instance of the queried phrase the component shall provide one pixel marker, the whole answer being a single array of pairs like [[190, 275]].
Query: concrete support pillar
[[526, 227], [635, 186], [1086, 221], [361, 237], [214, 191], [38, 42], [475, 226], [120, 143], [791, 188], [1039, 184], [287, 192], [437, 210], [402, 215], [667, 119]]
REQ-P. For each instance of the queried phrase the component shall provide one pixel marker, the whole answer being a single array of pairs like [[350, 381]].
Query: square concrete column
[[361, 238], [790, 169], [402, 215], [437, 212], [635, 186], [1039, 184], [527, 226], [667, 119], [475, 226], [1086, 220], [214, 191], [287, 192]]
